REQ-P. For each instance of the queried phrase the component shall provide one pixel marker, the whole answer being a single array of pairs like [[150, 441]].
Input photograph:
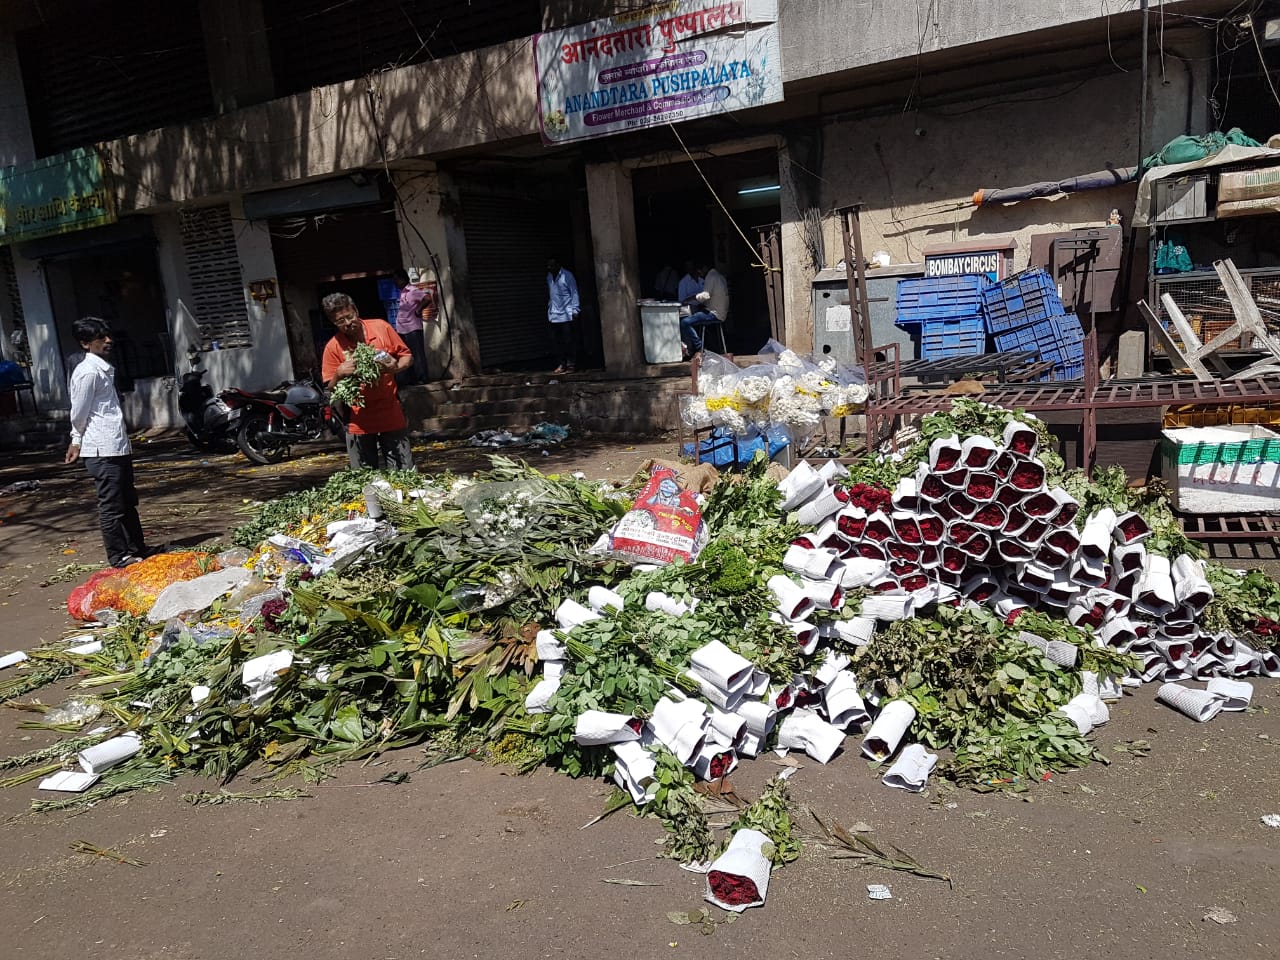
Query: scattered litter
[[69, 781], [867, 852], [12, 659], [1220, 915], [19, 486], [109, 753], [1271, 820], [206, 798], [81, 846], [86, 649], [543, 434], [622, 882], [879, 891]]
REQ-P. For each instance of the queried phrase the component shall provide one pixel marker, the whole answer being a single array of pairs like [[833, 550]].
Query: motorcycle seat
[[274, 396]]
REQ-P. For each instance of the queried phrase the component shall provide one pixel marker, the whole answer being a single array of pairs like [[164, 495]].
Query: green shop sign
[[54, 195]]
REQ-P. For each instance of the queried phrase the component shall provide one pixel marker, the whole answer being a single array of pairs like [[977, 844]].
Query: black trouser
[[381, 451], [564, 339], [117, 507]]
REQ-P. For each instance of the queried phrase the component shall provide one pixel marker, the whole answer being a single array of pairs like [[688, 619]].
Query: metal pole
[[1142, 105]]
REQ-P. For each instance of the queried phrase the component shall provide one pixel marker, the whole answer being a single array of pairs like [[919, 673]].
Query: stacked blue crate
[[944, 315], [1024, 312]]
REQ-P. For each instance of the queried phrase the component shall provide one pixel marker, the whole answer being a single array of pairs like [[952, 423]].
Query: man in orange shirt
[[377, 432]]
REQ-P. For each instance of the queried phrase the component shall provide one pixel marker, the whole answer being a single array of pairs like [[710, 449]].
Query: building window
[[217, 286]]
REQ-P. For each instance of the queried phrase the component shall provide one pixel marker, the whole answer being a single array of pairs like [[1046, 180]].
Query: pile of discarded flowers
[[968, 596]]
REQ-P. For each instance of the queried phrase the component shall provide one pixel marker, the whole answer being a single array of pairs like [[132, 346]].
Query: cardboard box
[[1222, 470], [1249, 184]]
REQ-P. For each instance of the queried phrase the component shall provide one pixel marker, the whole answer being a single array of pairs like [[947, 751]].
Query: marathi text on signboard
[[669, 62], [54, 195]]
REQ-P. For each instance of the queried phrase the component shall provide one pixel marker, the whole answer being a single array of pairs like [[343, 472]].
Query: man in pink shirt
[[415, 303]]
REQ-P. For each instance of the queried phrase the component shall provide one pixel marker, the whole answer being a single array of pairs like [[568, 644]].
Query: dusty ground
[[463, 860]]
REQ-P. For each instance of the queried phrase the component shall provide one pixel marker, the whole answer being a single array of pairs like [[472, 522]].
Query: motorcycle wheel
[[256, 442]]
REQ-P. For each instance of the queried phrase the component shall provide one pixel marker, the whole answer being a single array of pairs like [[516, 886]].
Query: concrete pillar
[[797, 270], [463, 352], [424, 246], [16, 145], [617, 259], [235, 43], [42, 335]]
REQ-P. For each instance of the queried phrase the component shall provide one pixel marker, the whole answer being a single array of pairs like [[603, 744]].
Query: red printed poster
[[664, 523]]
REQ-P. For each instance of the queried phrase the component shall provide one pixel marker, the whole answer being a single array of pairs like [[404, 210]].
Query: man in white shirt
[[714, 307], [563, 308], [99, 438]]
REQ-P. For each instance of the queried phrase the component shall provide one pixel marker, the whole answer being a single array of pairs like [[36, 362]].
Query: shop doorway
[[346, 251], [680, 220], [513, 223], [121, 284]]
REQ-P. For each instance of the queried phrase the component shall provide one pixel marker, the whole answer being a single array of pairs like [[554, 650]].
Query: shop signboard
[[988, 258], [668, 62], [54, 195]]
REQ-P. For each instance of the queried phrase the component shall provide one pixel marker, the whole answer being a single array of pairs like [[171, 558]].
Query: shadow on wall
[[478, 97]]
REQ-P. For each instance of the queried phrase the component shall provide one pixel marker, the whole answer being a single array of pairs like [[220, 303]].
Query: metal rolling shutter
[[9, 280], [317, 42], [508, 241], [217, 286], [102, 73]]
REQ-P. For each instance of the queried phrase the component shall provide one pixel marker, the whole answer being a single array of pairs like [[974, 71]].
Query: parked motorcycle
[[272, 420], [212, 421]]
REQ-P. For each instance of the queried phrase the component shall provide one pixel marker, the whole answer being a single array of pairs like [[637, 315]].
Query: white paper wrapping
[[1091, 702], [842, 701], [1199, 705], [1177, 653], [888, 606], [702, 761], [727, 728], [912, 768], [540, 696], [758, 716], [570, 614], [905, 494], [858, 631], [1235, 694], [888, 729], [679, 726], [743, 858], [601, 599], [549, 646], [595, 728], [944, 454], [1130, 528], [805, 633], [801, 484], [824, 594], [1078, 714], [1095, 541], [710, 692], [792, 601], [634, 771], [1062, 653], [260, 674], [69, 781], [978, 452], [103, 756], [657, 602], [833, 661], [825, 504], [721, 666], [805, 730], [1189, 584], [1155, 589]]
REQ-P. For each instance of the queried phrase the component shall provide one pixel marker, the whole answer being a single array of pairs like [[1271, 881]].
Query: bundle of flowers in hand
[[350, 389]]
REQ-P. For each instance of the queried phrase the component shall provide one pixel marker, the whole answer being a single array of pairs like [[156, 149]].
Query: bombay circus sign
[[669, 62]]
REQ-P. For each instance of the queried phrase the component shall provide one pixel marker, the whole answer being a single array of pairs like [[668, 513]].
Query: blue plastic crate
[[1043, 333], [387, 289], [1020, 299], [940, 339], [1069, 371], [1068, 354], [938, 298]]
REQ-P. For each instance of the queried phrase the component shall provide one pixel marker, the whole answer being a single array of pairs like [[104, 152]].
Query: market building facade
[[227, 164]]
